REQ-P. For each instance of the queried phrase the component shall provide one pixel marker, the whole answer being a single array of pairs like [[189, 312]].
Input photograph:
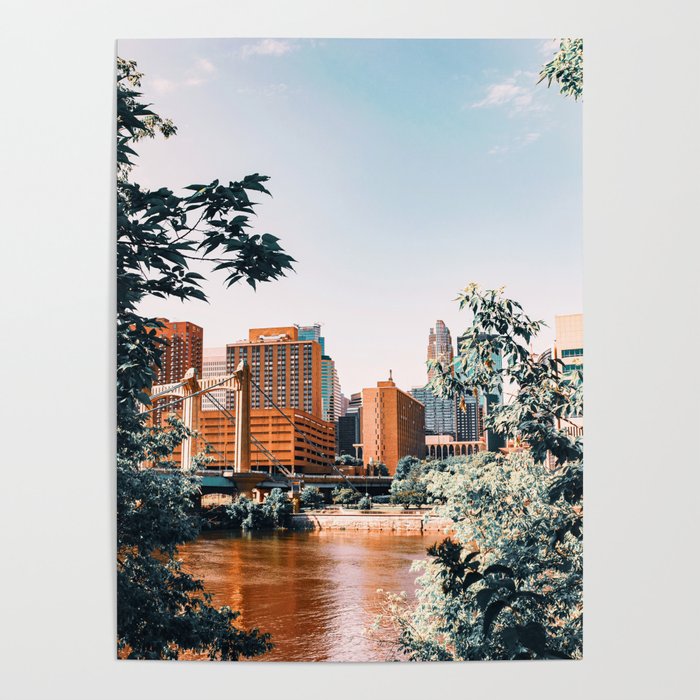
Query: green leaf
[[492, 613]]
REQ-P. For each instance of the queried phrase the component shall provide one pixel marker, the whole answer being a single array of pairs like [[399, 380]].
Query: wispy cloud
[[517, 93], [268, 47], [530, 138], [516, 144], [199, 73]]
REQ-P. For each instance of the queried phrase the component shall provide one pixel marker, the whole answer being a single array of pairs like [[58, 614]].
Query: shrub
[[311, 498], [347, 461], [365, 503], [404, 466], [277, 508], [249, 515], [345, 496], [409, 492]]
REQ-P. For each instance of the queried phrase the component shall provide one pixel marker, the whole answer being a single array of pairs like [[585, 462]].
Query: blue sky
[[400, 171]]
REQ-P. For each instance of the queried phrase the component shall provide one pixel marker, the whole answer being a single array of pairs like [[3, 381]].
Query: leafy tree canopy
[[163, 611], [507, 583], [566, 68], [365, 503], [345, 496], [404, 465], [311, 497], [348, 461], [546, 398]]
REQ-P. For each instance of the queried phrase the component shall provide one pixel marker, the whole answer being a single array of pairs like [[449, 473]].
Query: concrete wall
[[404, 522]]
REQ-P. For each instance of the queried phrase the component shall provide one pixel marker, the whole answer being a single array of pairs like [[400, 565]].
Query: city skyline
[[401, 170], [346, 390]]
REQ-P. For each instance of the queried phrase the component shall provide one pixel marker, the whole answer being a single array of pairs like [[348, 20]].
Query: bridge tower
[[242, 399], [190, 415]]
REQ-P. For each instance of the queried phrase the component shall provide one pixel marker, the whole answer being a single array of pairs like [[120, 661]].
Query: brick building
[[392, 424], [288, 370], [277, 435], [285, 374], [183, 349]]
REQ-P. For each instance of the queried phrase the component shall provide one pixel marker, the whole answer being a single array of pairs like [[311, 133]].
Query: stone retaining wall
[[404, 522]]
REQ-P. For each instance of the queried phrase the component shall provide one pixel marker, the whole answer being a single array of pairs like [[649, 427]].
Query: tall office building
[[473, 416], [330, 389], [440, 414], [330, 382], [214, 365], [344, 404], [440, 346], [183, 350], [348, 427], [392, 424], [286, 369], [312, 332], [469, 419]]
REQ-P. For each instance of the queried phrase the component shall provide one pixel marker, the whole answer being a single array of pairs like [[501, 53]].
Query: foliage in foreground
[[566, 68], [507, 583], [545, 400], [409, 491], [408, 487], [162, 610]]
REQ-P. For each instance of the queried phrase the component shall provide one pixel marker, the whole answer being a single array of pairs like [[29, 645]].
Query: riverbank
[[381, 521]]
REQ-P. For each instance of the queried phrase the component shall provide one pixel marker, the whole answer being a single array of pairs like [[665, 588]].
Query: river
[[315, 592]]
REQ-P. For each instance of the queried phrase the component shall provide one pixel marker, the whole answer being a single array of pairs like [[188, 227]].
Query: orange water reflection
[[314, 592]]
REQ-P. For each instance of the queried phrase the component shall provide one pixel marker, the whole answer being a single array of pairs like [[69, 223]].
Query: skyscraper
[[348, 430], [183, 350], [469, 419], [440, 415], [330, 382], [440, 346], [312, 332], [473, 413]]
